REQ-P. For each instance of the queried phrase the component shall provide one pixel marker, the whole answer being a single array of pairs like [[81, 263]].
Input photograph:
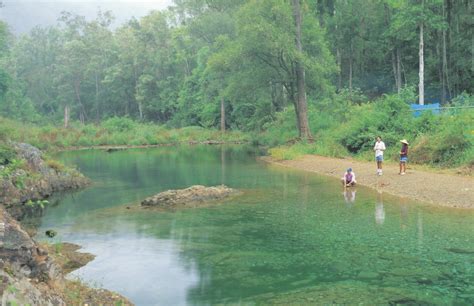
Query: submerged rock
[[115, 149], [50, 233], [189, 197], [460, 251]]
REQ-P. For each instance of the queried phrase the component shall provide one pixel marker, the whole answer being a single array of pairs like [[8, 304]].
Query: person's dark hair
[[379, 137]]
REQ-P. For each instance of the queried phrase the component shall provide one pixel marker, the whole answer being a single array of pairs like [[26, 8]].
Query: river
[[292, 237]]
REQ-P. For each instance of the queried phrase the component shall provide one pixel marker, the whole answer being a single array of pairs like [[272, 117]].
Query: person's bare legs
[[379, 167]]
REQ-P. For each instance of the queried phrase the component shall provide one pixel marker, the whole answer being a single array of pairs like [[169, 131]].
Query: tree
[[264, 55], [301, 106]]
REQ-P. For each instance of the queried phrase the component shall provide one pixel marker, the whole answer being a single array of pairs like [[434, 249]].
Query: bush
[[464, 99], [389, 117], [56, 165], [7, 154], [451, 145], [119, 124]]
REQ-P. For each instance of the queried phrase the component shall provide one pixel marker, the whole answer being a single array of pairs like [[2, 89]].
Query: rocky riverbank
[[27, 178], [35, 275], [29, 273]]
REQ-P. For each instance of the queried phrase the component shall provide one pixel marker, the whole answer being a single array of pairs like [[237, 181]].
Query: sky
[[23, 15]]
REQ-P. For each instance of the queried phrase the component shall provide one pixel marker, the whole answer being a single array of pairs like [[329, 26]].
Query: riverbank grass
[[112, 132]]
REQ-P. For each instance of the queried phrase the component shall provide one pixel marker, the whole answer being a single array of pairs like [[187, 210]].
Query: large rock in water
[[189, 197]]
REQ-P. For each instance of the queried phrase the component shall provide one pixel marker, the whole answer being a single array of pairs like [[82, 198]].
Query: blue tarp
[[418, 109]]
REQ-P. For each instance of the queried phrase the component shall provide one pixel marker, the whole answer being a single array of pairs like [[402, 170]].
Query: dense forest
[[247, 65]]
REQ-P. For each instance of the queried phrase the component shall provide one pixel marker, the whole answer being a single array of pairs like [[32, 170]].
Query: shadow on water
[[293, 237]]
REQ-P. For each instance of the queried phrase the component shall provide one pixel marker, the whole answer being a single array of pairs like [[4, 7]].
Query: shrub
[[119, 124], [464, 99], [56, 165], [449, 146], [389, 117], [7, 154]]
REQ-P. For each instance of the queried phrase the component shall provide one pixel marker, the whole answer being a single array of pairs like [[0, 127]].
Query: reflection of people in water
[[379, 210], [349, 196]]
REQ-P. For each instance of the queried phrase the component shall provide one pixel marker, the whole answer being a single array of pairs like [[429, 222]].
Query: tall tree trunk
[[300, 78], [396, 70], [140, 110], [187, 69], [66, 116], [338, 54], [97, 113], [404, 74], [350, 71], [440, 70], [294, 100], [445, 63], [137, 94], [82, 112], [222, 115], [421, 86], [339, 64], [399, 71]]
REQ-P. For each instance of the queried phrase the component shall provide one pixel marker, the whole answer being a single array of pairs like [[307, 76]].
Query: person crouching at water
[[403, 156], [349, 178]]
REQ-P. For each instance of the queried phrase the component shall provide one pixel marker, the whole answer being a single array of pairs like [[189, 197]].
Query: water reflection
[[134, 257], [349, 196], [379, 210], [403, 215], [419, 226]]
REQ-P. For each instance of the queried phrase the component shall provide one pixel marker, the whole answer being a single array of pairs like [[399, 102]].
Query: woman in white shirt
[[379, 148]]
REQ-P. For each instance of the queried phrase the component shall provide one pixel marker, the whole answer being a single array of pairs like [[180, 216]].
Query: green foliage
[[323, 146], [55, 165], [116, 124], [115, 131], [58, 248], [451, 144], [7, 154], [444, 140], [15, 164], [464, 99], [171, 69], [389, 117], [38, 203]]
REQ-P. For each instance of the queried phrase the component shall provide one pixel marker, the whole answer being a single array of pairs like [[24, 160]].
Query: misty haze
[[23, 15]]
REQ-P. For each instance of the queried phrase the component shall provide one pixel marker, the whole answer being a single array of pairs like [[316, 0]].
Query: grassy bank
[[112, 132], [343, 128]]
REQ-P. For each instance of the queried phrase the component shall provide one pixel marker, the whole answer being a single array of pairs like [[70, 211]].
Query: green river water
[[291, 238]]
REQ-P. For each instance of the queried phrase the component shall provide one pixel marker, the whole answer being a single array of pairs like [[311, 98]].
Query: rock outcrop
[[35, 179], [190, 197], [28, 274]]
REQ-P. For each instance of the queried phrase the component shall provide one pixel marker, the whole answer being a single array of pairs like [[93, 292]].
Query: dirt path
[[440, 189]]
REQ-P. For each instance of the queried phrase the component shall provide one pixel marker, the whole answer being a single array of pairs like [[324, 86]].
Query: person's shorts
[[379, 158], [403, 159]]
